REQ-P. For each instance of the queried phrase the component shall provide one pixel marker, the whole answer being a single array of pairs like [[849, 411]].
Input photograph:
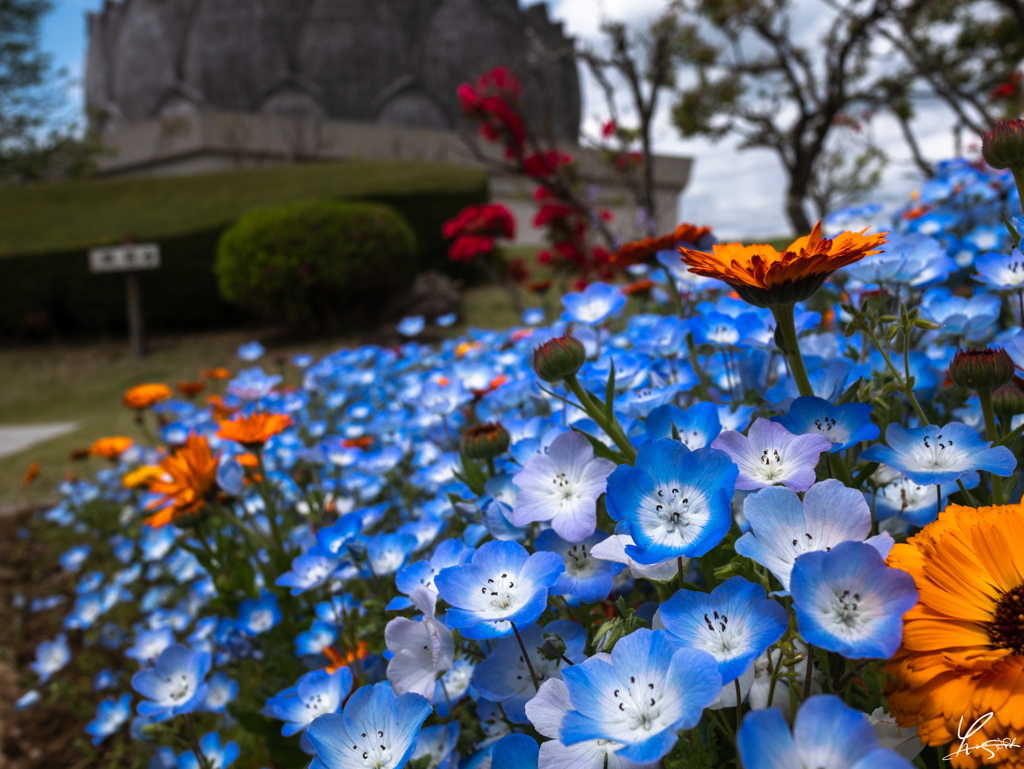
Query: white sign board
[[144, 256]]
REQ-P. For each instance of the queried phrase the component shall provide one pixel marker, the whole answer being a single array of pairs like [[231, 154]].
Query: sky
[[740, 193]]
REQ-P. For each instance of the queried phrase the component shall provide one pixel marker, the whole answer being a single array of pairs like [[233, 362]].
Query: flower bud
[[981, 369], [485, 441], [1003, 146], [553, 647], [559, 358], [1008, 400]]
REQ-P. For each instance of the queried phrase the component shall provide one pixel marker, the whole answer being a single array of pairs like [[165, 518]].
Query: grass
[[63, 216], [84, 384]]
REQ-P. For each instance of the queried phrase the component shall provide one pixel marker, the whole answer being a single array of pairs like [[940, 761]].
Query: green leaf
[[472, 475], [850, 393], [1012, 230], [609, 395], [600, 450]]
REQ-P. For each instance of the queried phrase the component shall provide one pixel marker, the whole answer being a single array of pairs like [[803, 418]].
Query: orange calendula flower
[[254, 430], [215, 373], [362, 442], [190, 389], [30, 475], [144, 396], [191, 481], [642, 250], [963, 644], [641, 287], [339, 660], [110, 448], [141, 476], [765, 278]]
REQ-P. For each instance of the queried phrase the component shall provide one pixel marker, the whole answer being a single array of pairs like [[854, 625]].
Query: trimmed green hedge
[[318, 264], [51, 293]]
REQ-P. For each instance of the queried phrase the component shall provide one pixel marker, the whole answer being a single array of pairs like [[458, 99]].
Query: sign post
[[129, 259]]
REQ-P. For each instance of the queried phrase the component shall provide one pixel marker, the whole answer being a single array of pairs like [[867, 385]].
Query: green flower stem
[[787, 325], [1018, 178], [985, 396], [526, 658], [673, 292], [595, 412], [900, 381]]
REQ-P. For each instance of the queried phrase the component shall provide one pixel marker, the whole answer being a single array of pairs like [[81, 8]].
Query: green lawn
[[63, 216]]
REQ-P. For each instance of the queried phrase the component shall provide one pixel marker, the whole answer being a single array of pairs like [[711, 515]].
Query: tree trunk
[[795, 199]]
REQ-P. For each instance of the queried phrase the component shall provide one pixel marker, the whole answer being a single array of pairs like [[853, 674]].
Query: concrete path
[[21, 437]]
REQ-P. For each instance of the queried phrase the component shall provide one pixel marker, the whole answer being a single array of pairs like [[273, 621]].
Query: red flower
[[496, 104], [475, 229]]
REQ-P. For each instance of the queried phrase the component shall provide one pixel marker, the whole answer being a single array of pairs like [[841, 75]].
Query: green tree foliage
[[34, 142]]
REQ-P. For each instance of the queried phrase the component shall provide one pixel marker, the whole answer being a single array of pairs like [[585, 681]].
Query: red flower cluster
[[1010, 89], [495, 103], [475, 229], [567, 228]]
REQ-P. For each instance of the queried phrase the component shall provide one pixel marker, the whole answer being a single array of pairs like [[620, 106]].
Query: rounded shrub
[[316, 265]]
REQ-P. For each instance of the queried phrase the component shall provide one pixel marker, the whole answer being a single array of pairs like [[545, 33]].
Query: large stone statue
[[394, 62]]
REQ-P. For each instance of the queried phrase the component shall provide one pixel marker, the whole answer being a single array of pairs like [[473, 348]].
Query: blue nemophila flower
[[51, 656], [515, 751], [1001, 271], [502, 584], [845, 425], [444, 399], [376, 729], [664, 339], [251, 351], [933, 455], [149, 644], [412, 325], [314, 694], [175, 685], [217, 756], [586, 579], [504, 676], [912, 502], [319, 636], [253, 384], [387, 553], [769, 454], [73, 558], [27, 700], [642, 698], [959, 317], [422, 648], [331, 540], [546, 712], [255, 617], [308, 572], [676, 501], [110, 715], [696, 426], [827, 733], [848, 601], [451, 552], [724, 330], [734, 624], [562, 487], [782, 527], [438, 742], [637, 404], [220, 690], [593, 305]]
